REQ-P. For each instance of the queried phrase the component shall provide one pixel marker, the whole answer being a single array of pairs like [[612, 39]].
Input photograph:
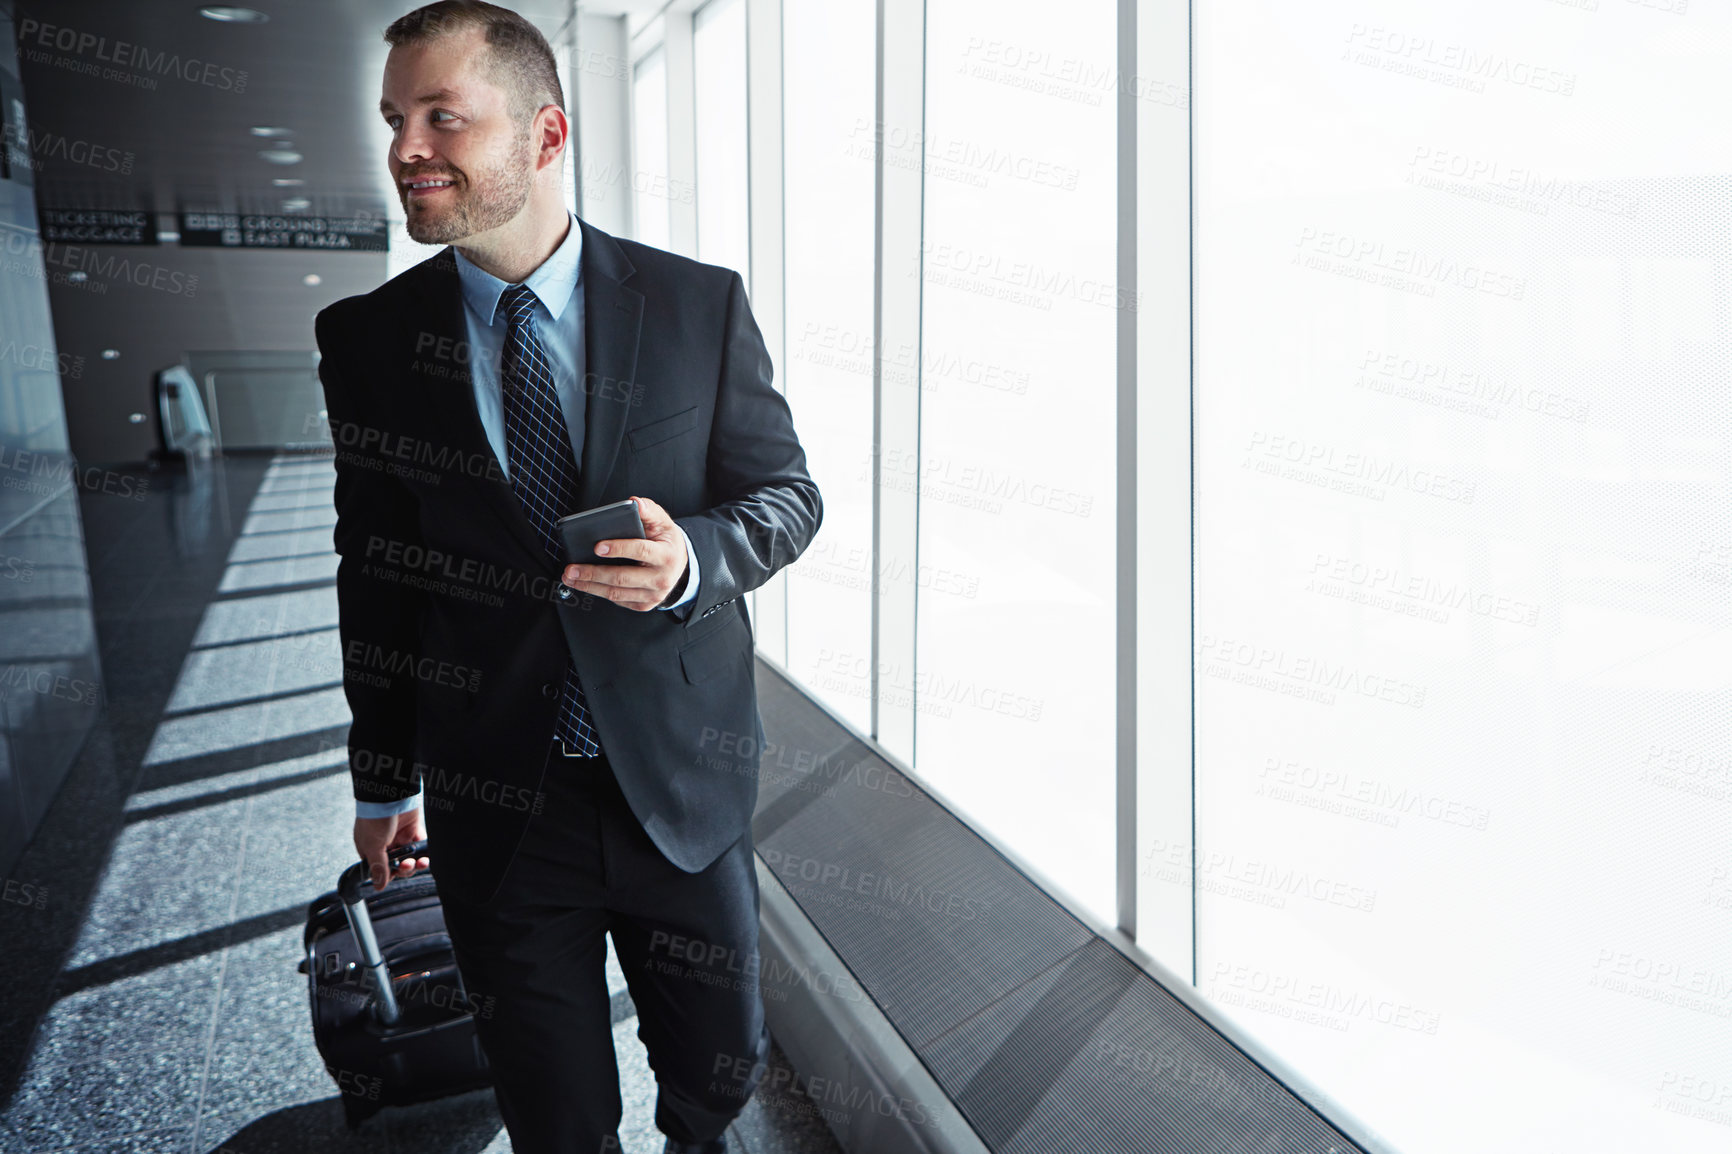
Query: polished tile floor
[[153, 1002]]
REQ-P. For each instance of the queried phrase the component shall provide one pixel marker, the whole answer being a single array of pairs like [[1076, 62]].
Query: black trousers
[[688, 944]]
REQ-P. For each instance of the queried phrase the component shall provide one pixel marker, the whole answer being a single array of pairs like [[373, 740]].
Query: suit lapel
[[612, 321]]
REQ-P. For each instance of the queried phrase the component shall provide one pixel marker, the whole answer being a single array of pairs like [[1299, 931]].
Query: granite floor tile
[[301, 466], [117, 1059], [276, 479], [247, 670], [155, 1140], [296, 493], [314, 1127], [220, 787], [311, 518], [242, 576], [301, 543], [168, 878], [275, 499], [46, 634], [299, 840], [231, 758], [267, 615], [245, 725]]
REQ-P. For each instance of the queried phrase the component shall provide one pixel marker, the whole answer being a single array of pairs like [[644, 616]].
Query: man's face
[[450, 125]]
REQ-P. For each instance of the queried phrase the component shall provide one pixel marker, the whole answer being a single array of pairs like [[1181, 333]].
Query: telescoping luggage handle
[[349, 889]]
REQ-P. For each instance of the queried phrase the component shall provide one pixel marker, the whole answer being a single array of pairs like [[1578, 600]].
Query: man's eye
[[441, 112]]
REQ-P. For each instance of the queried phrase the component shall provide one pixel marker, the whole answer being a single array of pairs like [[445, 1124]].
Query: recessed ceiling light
[[287, 181], [310, 279], [230, 15], [280, 156], [267, 131], [296, 204]]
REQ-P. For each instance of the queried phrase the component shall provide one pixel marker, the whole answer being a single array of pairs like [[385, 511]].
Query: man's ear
[[553, 132]]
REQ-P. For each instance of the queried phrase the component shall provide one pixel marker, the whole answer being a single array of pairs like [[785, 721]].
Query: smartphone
[[581, 532]]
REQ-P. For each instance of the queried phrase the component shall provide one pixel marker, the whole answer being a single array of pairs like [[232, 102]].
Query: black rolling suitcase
[[391, 1017]]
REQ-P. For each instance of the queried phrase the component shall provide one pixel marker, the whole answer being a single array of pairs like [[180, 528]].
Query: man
[[562, 721]]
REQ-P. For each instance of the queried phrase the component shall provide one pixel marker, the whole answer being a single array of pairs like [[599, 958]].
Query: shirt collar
[[554, 282]]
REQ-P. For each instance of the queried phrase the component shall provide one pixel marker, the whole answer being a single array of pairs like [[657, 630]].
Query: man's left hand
[[661, 562]]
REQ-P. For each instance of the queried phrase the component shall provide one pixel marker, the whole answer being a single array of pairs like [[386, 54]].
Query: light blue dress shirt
[[558, 287]]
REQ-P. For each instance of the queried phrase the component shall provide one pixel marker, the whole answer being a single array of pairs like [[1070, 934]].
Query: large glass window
[[719, 66], [1463, 779], [1015, 639], [649, 146], [828, 180], [1460, 475]]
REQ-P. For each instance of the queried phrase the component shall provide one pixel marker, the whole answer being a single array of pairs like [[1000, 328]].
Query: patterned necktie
[[542, 473]]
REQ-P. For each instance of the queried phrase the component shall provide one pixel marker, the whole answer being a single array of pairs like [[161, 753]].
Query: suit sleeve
[[378, 613], [769, 508], [378, 809]]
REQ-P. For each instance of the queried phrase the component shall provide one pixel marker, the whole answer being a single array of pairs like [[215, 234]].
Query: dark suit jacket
[[454, 637]]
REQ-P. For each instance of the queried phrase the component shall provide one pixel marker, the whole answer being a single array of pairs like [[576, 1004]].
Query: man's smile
[[416, 189]]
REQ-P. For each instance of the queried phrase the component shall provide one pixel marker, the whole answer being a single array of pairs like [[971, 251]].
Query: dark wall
[[50, 680], [152, 304]]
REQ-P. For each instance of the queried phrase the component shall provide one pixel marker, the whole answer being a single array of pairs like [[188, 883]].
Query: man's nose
[[411, 146]]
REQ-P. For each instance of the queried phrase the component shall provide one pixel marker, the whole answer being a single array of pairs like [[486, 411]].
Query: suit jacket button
[[566, 593], [547, 689]]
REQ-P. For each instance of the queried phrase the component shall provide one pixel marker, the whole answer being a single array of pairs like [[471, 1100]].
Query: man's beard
[[497, 196]]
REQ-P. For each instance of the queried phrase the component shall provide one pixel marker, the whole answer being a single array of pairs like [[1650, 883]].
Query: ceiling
[[312, 68]]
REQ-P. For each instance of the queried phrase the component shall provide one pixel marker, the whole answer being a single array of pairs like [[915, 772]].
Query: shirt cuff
[[691, 577], [387, 808]]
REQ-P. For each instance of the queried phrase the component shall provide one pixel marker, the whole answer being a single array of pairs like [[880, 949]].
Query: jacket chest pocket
[[655, 432]]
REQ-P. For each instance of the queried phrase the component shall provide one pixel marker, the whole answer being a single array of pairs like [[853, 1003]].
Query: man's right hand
[[374, 838]]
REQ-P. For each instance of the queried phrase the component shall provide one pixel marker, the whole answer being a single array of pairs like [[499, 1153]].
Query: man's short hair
[[519, 60]]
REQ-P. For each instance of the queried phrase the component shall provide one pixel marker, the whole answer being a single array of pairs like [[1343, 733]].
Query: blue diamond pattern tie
[[542, 473]]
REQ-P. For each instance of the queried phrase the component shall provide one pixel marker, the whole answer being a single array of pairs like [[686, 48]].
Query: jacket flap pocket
[[645, 435], [709, 654]]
